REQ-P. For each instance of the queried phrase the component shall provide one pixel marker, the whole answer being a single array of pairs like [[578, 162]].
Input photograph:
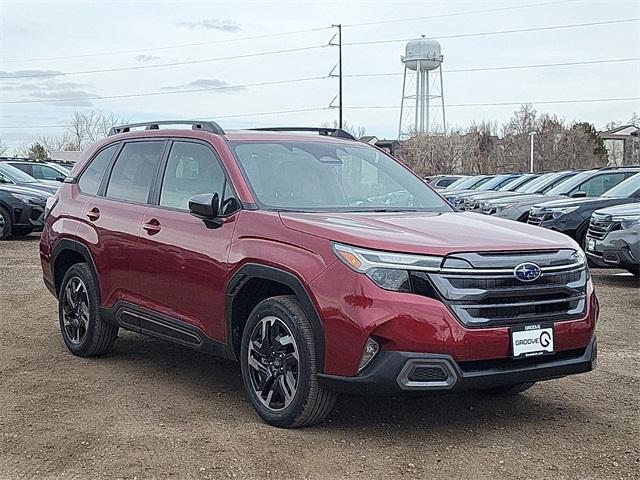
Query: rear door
[[114, 215], [184, 263]]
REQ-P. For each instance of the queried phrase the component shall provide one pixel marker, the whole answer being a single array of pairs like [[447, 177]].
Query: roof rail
[[328, 132], [618, 167], [209, 126]]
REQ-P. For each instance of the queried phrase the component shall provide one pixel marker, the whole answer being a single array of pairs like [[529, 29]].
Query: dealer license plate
[[532, 340]]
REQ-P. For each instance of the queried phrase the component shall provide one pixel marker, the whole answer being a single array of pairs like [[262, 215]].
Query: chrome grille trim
[[493, 297]]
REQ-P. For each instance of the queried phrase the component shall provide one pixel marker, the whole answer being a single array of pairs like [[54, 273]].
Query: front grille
[[599, 227], [489, 294], [536, 218]]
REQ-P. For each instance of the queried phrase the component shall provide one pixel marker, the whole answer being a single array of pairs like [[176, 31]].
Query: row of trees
[[481, 148], [487, 147]]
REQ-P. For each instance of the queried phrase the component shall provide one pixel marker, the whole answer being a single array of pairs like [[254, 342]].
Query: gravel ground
[[154, 410]]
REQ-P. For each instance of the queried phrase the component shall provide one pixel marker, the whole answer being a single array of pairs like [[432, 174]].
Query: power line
[[170, 47], [501, 32], [506, 104], [235, 115], [281, 34], [306, 79], [371, 107], [506, 67], [161, 65], [162, 93], [456, 14]]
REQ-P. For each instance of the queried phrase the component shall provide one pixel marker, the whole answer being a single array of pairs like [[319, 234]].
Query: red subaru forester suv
[[319, 262]]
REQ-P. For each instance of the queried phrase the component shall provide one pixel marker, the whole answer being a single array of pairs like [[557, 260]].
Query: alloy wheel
[[273, 363], [75, 310]]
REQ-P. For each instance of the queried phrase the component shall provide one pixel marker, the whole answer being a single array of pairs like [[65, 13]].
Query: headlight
[[559, 212], [627, 221], [27, 198], [388, 270]]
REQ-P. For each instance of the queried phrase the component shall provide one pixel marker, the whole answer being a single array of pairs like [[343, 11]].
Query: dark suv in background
[[278, 249], [571, 215]]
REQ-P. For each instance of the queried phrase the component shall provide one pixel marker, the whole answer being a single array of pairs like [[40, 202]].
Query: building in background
[[622, 144]]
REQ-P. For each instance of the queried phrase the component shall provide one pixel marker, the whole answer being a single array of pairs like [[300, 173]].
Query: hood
[[589, 202], [491, 195], [624, 209], [41, 187], [25, 189], [426, 233]]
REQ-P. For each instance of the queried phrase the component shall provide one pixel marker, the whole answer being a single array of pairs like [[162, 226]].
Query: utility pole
[[531, 135], [339, 45]]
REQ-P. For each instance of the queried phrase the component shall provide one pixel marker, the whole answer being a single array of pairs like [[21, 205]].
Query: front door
[[184, 263]]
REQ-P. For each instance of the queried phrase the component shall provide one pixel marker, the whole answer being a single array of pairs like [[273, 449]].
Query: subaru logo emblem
[[527, 272]]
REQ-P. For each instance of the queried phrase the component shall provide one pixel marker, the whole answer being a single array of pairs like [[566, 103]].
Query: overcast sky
[[33, 32]]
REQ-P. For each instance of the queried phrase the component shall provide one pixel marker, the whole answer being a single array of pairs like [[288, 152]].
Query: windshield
[[15, 175], [518, 183], [565, 187], [625, 189], [462, 183], [539, 183], [319, 176], [495, 182]]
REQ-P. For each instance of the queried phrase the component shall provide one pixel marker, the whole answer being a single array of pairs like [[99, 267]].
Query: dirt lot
[[153, 410]]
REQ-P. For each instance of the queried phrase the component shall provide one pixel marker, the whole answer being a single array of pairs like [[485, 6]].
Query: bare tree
[[88, 127], [3, 148]]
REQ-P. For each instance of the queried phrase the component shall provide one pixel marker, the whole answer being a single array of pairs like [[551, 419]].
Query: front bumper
[[396, 373], [27, 215], [620, 248]]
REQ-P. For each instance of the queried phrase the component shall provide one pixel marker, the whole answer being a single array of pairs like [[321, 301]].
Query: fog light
[[370, 350]]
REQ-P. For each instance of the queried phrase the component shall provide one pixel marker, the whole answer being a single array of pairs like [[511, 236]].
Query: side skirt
[[147, 322]]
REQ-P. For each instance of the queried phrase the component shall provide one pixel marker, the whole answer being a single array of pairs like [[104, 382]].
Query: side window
[[134, 171], [28, 169], [45, 172], [192, 168], [90, 180], [596, 186]]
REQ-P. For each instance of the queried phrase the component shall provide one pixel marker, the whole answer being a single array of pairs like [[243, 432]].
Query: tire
[[273, 367], [83, 330], [6, 225], [509, 390]]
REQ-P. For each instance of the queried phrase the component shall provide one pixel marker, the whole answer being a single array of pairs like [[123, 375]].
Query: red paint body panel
[[183, 270]]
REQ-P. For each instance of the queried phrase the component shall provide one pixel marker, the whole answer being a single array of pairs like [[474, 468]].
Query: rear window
[[134, 171], [92, 176]]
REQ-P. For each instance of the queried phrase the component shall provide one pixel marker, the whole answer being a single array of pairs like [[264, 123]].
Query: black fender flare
[[77, 247], [255, 270]]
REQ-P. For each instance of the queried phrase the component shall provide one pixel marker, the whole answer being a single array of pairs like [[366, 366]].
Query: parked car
[[41, 170], [613, 238], [440, 182], [571, 215], [455, 197], [590, 183], [472, 201], [513, 206], [10, 175], [468, 183], [269, 247], [21, 210]]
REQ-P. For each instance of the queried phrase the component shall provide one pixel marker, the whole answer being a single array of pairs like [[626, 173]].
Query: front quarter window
[[331, 176]]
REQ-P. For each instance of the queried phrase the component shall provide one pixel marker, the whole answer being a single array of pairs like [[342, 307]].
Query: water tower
[[421, 57]]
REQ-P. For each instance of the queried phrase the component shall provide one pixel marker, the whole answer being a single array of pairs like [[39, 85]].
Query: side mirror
[[579, 194], [206, 207], [60, 179]]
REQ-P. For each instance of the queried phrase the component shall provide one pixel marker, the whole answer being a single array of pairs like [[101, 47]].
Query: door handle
[[152, 227], [93, 214]]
